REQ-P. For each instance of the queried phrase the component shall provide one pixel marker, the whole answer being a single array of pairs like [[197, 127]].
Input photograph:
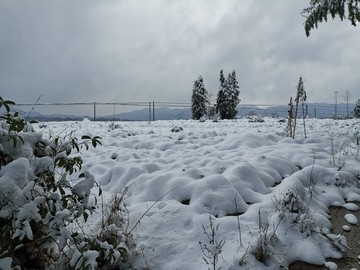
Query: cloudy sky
[[144, 50]]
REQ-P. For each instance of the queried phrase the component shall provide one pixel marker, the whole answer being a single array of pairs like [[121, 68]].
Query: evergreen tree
[[233, 88], [357, 109], [222, 80], [220, 102], [199, 99], [228, 96], [300, 97], [319, 10]]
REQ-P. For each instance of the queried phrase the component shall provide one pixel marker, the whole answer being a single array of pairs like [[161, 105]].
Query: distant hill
[[143, 115], [314, 110]]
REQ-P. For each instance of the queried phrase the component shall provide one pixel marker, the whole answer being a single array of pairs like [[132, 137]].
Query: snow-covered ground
[[268, 194]]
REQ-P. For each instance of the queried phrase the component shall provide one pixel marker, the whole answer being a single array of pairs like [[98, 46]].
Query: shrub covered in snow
[[176, 129], [41, 208], [254, 117]]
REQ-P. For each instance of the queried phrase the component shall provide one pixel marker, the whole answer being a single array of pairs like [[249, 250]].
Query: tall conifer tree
[[199, 99], [221, 101], [228, 96]]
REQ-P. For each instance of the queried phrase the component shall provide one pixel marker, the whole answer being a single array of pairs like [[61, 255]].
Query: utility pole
[[336, 104], [149, 111], [94, 111]]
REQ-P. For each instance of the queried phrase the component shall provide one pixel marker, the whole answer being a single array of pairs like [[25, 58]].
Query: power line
[[321, 110]]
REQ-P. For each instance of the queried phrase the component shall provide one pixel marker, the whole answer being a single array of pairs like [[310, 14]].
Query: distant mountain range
[[314, 110]]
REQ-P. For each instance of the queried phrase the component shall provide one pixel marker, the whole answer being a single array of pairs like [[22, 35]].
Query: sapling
[[313, 179], [289, 127], [332, 152], [357, 139], [340, 164], [213, 248], [303, 100], [300, 97]]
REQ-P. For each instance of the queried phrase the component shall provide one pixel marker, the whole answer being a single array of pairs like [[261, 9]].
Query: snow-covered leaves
[[318, 12], [38, 202]]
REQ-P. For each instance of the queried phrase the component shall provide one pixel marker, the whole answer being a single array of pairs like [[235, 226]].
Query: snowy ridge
[[254, 181]]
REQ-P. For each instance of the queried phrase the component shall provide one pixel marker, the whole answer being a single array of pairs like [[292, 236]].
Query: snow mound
[[352, 219], [253, 182]]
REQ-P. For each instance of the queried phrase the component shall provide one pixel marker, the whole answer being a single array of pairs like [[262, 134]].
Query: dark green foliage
[[228, 96], [357, 109], [319, 10], [199, 99], [220, 103], [37, 225], [6, 104]]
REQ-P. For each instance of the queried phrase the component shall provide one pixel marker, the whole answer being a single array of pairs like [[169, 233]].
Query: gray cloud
[[153, 50]]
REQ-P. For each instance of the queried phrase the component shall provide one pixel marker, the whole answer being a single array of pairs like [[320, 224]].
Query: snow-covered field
[[268, 194]]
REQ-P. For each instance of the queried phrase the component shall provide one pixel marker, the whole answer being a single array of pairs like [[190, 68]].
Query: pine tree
[[228, 96], [233, 88], [220, 101], [357, 109], [199, 99], [300, 97], [319, 10], [222, 80]]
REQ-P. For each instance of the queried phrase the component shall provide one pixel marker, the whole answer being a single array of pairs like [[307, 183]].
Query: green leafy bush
[[42, 212]]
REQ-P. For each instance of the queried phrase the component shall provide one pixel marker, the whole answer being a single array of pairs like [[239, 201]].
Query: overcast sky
[[144, 50]]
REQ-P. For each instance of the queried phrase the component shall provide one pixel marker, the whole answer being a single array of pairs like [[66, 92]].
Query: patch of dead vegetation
[[350, 261]]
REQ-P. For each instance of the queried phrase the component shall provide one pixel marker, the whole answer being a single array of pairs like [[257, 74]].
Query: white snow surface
[[351, 207], [331, 265], [258, 185], [351, 218]]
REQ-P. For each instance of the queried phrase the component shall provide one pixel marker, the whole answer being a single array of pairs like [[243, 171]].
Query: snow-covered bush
[[263, 248], [293, 209], [41, 210], [176, 129], [254, 117]]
